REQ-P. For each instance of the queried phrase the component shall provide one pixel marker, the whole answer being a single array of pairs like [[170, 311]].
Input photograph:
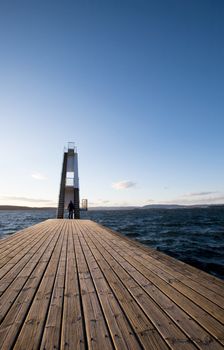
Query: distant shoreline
[[18, 207], [152, 206]]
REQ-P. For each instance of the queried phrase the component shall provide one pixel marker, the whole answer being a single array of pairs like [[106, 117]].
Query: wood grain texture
[[74, 284]]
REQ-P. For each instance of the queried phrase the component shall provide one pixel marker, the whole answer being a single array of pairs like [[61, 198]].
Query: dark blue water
[[15, 220], [195, 236]]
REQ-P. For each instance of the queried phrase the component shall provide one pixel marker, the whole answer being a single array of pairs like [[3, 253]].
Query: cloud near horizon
[[38, 176], [196, 194], [206, 197], [100, 202], [28, 199], [121, 185], [150, 201]]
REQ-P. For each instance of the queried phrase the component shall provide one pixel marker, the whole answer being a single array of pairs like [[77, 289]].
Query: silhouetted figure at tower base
[[71, 208]]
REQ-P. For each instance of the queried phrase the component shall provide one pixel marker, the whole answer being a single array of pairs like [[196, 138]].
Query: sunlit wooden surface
[[73, 284]]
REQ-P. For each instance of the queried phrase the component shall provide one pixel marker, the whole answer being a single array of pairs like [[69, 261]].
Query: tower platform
[[73, 284]]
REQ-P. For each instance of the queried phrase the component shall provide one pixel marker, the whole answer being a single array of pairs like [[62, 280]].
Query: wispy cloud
[[121, 185], [27, 199], [99, 202], [196, 194], [38, 176], [204, 197]]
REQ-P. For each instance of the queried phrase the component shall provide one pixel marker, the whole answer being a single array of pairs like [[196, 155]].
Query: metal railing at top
[[71, 146]]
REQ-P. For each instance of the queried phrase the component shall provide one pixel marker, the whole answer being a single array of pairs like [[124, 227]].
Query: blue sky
[[137, 85]]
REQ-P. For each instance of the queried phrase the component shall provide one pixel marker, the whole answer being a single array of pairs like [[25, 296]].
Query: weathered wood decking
[[77, 285]]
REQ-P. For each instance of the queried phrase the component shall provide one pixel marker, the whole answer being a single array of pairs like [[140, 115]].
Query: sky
[[137, 85]]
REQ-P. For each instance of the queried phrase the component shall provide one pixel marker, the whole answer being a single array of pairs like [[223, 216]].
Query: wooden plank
[[197, 284], [9, 295], [196, 333], [72, 334], [192, 276], [121, 332], [5, 240], [30, 335], [207, 321], [14, 256], [16, 248], [14, 320], [13, 269], [10, 242], [97, 333], [174, 337], [172, 278], [143, 327], [52, 331], [210, 281], [73, 284]]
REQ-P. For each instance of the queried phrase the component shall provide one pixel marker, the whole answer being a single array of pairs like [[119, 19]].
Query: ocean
[[193, 235]]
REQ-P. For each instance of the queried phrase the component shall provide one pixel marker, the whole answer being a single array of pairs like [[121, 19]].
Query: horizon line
[[116, 206]]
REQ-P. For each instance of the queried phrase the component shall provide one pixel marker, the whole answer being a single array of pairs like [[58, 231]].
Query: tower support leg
[[76, 204]]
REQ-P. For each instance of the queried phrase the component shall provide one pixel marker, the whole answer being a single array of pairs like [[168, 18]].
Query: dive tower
[[69, 186]]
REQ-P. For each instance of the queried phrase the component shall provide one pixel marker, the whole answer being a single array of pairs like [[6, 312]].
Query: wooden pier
[[73, 284]]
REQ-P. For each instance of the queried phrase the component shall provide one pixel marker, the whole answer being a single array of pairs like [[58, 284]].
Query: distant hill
[[159, 206], [178, 206], [17, 207], [114, 208], [164, 206]]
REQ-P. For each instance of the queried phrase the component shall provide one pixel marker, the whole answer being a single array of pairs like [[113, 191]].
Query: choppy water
[[195, 236]]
